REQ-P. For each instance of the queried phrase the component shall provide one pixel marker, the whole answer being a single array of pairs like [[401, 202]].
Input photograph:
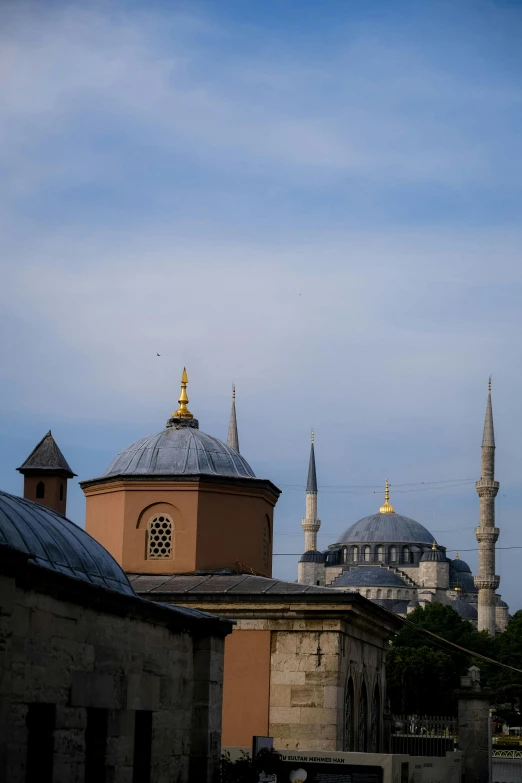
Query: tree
[[507, 685], [423, 673]]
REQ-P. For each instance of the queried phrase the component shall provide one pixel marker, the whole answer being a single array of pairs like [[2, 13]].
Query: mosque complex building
[[396, 562]]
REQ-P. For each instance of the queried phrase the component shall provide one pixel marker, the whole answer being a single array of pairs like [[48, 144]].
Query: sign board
[[314, 769]]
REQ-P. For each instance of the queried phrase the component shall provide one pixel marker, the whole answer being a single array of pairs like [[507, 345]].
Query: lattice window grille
[[159, 544]]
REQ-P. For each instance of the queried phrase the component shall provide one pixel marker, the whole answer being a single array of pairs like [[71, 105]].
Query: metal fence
[[417, 735]]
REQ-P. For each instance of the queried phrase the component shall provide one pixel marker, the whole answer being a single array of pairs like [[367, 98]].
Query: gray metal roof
[[312, 556], [433, 555], [179, 451], [46, 456], [369, 576], [311, 483], [459, 566], [462, 579], [465, 609], [488, 439], [235, 584], [54, 542], [386, 528]]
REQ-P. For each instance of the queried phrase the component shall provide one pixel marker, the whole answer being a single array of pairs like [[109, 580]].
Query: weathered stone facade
[[85, 652], [324, 662]]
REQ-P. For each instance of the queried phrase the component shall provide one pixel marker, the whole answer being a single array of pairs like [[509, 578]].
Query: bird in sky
[[158, 354]]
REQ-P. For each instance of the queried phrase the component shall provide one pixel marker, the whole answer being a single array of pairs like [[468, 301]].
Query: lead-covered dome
[[54, 542], [386, 527], [179, 450]]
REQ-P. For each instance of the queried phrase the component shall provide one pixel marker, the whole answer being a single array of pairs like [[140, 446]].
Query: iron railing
[[417, 735]]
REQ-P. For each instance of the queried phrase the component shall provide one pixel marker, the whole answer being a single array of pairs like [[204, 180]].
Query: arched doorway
[[349, 717], [362, 721]]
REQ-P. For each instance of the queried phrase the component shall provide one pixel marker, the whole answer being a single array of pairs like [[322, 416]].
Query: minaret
[[486, 534], [233, 438], [310, 523]]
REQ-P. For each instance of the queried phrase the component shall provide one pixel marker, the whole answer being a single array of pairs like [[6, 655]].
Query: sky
[[320, 202]]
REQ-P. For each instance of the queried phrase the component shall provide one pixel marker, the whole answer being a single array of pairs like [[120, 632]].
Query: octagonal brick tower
[[486, 533]]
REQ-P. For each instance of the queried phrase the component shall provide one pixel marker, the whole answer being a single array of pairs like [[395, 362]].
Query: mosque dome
[[459, 565], [464, 580], [312, 556], [56, 543], [179, 450], [434, 556], [390, 527], [386, 526]]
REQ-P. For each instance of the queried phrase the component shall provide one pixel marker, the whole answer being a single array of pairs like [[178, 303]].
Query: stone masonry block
[[143, 692], [285, 714], [90, 689], [318, 716], [278, 677], [332, 697], [280, 696], [306, 696]]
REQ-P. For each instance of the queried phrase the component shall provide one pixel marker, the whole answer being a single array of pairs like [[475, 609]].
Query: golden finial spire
[[457, 556], [313, 436], [183, 412], [434, 545], [387, 508], [458, 588], [313, 546]]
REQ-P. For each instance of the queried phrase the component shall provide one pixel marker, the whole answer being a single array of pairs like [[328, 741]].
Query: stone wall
[[78, 656]]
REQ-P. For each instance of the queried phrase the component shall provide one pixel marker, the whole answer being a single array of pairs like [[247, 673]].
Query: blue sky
[[318, 201]]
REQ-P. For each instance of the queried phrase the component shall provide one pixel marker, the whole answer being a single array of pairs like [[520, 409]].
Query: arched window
[[388, 593], [355, 554], [61, 491], [362, 722], [159, 537], [379, 594], [380, 554], [399, 595], [40, 490], [406, 554], [375, 727], [367, 551], [393, 554], [349, 717], [368, 593]]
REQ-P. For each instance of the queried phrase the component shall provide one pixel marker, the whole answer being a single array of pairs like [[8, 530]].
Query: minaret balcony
[[487, 488], [487, 535], [486, 583]]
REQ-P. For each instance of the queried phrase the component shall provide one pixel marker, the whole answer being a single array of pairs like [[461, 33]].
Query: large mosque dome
[[390, 527]]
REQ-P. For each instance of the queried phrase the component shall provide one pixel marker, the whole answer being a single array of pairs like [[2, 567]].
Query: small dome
[[312, 556], [390, 528], [179, 450], [371, 576], [401, 607], [465, 609], [433, 555], [460, 566], [464, 580], [54, 542]]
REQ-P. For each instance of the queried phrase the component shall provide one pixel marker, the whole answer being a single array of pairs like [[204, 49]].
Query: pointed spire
[[434, 546], [387, 508], [233, 437], [489, 434], [311, 484], [183, 412], [46, 456]]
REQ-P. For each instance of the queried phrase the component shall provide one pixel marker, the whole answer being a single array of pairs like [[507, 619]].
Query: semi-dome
[[466, 610], [371, 576], [179, 451], [464, 580], [56, 543], [312, 556]]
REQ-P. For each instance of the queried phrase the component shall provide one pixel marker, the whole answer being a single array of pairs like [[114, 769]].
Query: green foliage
[[244, 770], [423, 673], [507, 686]]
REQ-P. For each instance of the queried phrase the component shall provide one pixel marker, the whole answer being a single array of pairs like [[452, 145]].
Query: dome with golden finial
[[181, 449]]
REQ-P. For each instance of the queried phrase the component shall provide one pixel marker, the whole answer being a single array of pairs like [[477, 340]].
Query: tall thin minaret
[[486, 534], [233, 438], [310, 523]]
